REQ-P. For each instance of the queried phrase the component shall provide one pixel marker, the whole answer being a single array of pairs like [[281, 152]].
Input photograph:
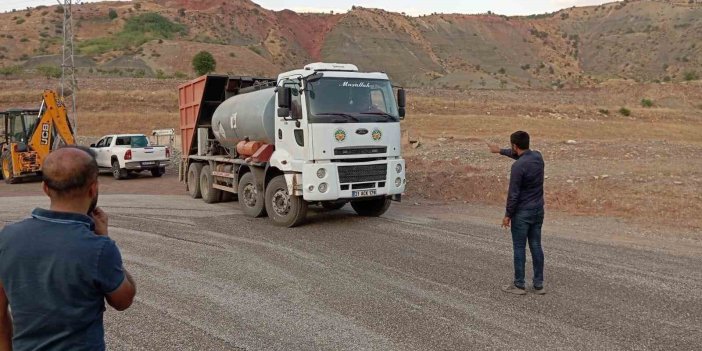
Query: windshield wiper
[[384, 114], [349, 116]]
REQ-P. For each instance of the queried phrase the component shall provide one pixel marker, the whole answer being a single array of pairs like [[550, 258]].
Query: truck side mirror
[[401, 100], [284, 101], [284, 97]]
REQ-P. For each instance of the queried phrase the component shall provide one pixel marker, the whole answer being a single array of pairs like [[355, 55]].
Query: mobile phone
[[93, 206]]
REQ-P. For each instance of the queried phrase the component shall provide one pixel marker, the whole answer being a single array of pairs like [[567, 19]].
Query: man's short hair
[[521, 139], [66, 177]]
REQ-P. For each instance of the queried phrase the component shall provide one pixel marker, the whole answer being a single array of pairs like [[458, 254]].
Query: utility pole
[[68, 74]]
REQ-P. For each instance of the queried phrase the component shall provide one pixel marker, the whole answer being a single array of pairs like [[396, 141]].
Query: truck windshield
[[351, 100]]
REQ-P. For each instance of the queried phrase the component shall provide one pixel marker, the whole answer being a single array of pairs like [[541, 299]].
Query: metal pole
[[68, 74]]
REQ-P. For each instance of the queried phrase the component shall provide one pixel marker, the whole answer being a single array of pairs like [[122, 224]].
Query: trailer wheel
[[118, 173], [194, 180], [284, 209], [333, 205], [250, 199], [209, 194], [371, 208], [6, 166]]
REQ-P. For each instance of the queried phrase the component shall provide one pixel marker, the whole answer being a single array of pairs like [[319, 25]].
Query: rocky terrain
[[646, 41]]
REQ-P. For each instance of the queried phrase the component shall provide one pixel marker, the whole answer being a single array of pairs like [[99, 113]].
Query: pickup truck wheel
[[371, 208], [157, 172], [333, 205], [194, 180], [118, 173], [209, 194], [6, 167], [285, 209], [250, 199]]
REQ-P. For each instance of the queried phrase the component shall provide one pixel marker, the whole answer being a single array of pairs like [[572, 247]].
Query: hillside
[[641, 40]]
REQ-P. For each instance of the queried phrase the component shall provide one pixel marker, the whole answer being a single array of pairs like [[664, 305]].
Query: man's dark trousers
[[526, 227]]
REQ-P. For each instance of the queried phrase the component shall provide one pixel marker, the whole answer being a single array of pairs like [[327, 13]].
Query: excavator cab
[[27, 136]]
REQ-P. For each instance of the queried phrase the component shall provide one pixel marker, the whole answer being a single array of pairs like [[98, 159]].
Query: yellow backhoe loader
[[28, 136]]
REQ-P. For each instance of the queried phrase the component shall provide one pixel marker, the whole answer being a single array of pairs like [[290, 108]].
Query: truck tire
[[157, 172], [118, 173], [6, 166], [250, 199], [209, 194], [284, 209], [193, 180], [333, 205], [371, 208]]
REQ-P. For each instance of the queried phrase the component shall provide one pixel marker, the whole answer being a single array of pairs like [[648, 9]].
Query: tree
[[112, 14], [204, 63]]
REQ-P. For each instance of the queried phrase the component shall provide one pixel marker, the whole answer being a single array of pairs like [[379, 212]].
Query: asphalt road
[[211, 279]]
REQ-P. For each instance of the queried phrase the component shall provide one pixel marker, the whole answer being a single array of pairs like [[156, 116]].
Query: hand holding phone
[[101, 220]]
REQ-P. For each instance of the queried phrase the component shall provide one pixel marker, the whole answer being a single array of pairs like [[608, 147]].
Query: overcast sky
[[413, 7]]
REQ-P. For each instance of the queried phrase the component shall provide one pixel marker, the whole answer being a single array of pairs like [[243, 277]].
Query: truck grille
[[362, 174], [362, 150]]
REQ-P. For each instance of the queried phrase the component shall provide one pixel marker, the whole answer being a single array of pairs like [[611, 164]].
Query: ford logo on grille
[[362, 131]]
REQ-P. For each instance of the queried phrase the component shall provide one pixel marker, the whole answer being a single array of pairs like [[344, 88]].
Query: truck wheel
[[284, 209], [371, 208], [6, 166], [157, 172], [333, 205], [118, 173], [194, 180], [250, 199], [209, 194]]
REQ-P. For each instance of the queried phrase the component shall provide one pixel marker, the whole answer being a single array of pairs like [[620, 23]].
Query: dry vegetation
[[645, 166]]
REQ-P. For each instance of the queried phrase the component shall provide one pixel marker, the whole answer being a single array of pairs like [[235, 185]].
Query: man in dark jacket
[[525, 210], [58, 267]]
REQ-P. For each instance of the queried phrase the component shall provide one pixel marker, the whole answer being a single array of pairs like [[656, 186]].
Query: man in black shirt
[[525, 210]]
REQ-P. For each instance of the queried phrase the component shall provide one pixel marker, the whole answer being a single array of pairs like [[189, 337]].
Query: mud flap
[[294, 181]]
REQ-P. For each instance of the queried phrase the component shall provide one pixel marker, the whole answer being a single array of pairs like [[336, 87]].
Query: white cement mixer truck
[[326, 135]]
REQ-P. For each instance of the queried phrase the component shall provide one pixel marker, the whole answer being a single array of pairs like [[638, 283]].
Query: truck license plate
[[149, 163], [361, 193]]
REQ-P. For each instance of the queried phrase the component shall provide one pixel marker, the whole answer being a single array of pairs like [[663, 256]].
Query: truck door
[[103, 152], [291, 132]]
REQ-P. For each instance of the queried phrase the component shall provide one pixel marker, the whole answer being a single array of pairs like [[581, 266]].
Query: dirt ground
[[643, 167]]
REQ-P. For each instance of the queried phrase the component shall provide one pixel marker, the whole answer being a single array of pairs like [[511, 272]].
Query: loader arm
[[55, 119]]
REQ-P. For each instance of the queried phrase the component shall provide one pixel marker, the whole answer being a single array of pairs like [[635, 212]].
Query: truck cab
[[339, 135]]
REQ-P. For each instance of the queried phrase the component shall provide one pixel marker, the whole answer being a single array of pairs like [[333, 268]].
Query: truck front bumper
[[352, 181], [142, 165]]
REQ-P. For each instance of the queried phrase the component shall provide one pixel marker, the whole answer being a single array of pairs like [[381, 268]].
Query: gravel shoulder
[[421, 278]]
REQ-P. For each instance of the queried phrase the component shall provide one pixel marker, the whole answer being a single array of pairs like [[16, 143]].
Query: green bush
[[625, 111], [20, 21], [604, 111], [692, 75], [112, 14], [50, 71], [646, 102], [136, 31], [10, 70], [204, 63]]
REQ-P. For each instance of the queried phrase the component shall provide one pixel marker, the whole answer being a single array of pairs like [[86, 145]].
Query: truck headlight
[[321, 173], [398, 182], [398, 168], [323, 187]]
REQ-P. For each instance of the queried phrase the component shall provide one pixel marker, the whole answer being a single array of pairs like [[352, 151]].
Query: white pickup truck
[[127, 154]]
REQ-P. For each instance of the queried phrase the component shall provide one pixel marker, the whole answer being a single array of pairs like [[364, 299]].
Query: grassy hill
[[640, 40]]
